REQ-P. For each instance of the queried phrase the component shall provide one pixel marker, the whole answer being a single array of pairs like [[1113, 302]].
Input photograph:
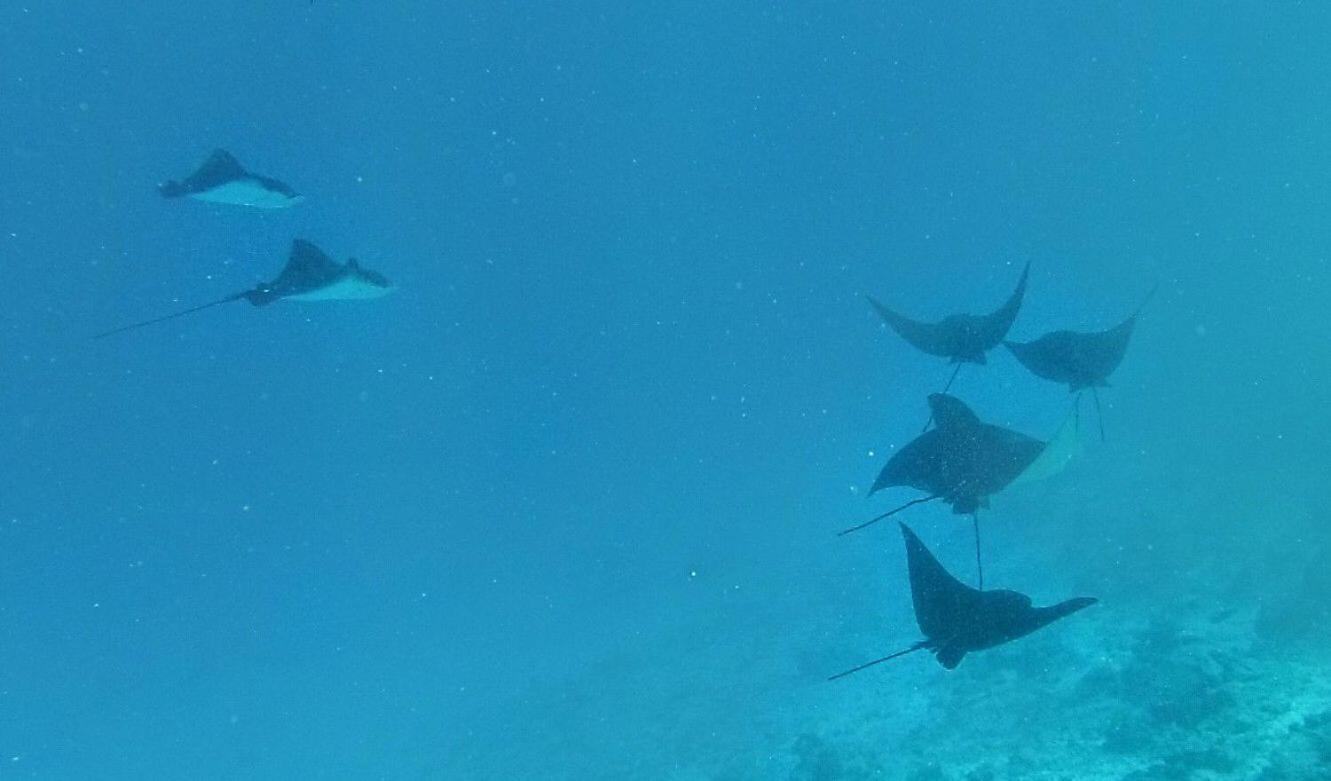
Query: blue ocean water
[[563, 506]]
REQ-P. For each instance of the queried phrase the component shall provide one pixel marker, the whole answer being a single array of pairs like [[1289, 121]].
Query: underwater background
[[564, 505]]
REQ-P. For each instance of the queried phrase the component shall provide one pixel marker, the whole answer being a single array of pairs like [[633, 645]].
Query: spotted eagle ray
[[222, 179], [309, 275], [1081, 360], [961, 338], [956, 619], [962, 461]]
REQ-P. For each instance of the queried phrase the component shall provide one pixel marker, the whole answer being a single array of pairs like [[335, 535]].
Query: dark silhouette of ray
[[962, 461], [309, 275], [961, 338], [1079, 359], [956, 619]]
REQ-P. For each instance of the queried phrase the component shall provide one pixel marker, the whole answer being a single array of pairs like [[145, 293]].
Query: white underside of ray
[[247, 192], [348, 288], [1061, 449]]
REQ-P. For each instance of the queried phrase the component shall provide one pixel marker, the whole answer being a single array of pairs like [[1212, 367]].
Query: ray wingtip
[[1025, 275]]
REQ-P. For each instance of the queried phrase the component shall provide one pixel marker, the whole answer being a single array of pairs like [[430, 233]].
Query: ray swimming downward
[[961, 338], [956, 619], [962, 461], [1081, 360]]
